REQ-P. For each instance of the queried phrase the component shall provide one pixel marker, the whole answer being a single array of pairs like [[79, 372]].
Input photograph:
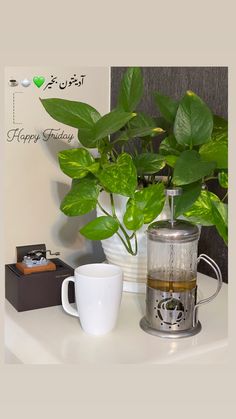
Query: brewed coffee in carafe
[[171, 293]]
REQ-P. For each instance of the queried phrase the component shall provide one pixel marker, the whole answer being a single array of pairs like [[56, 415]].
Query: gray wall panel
[[211, 84]]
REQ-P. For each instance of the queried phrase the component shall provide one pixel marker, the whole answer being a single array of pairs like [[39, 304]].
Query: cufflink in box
[[34, 281]]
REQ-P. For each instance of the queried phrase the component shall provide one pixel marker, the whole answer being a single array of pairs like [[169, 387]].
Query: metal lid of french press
[[173, 230]]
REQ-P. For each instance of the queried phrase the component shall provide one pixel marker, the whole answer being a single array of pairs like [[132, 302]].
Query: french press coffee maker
[[171, 293]]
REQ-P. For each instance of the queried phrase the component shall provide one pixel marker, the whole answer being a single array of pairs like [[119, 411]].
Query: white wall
[[34, 184]]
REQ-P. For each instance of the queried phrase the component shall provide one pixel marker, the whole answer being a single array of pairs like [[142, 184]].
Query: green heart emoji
[[38, 80]]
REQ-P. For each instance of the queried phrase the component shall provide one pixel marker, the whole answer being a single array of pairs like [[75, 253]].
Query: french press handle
[[217, 271]]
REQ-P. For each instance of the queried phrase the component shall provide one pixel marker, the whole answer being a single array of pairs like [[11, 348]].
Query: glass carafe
[[171, 295]]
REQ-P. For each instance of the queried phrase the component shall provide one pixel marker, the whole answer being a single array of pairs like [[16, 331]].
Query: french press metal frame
[[196, 325]]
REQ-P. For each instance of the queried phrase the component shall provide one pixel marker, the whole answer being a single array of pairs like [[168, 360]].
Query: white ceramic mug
[[98, 291]]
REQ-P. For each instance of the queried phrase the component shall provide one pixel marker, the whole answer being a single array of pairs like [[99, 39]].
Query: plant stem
[[112, 155], [210, 178], [129, 250], [222, 200], [127, 237], [115, 152], [126, 243], [102, 209], [136, 244], [135, 149], [132, 236], [129, 245], [153, 179], [112, 205], [125, 233], [169, 176]]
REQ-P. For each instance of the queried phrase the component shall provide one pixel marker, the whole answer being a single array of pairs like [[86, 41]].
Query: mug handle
[[217, 271], [64, 297]]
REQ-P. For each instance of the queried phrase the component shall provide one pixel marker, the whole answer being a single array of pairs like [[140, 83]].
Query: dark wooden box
[[37, 290]]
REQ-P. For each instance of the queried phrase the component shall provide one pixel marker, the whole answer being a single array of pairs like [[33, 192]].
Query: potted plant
[[126, 182]]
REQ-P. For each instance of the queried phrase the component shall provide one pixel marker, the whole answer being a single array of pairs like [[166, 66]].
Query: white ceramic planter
[[134, 267]]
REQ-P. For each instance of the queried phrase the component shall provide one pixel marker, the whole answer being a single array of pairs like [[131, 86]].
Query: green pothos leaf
[[144, 207], [201, 210], [101, 228], [223, 179], [119, 177], [82, 198]]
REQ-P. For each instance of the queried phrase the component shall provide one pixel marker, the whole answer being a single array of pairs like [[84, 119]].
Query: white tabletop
[[49, 336]]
